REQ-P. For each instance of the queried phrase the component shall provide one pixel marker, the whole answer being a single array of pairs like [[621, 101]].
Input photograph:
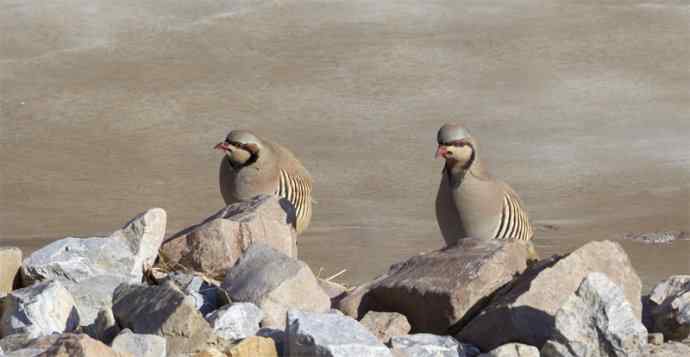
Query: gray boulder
[[669, 308], [236, 321], [428, 345], [207, 297], [385, 325], [39, 310], [10, 262], [163, 311], [125, 253], [596, 321], [330, 335], [93, 295], [139, 345], [525, 309], [513, 350], [439, 289], [275, 283], [213, 246]]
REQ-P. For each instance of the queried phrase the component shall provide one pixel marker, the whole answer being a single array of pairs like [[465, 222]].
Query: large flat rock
[[525, 309], [437, 290]]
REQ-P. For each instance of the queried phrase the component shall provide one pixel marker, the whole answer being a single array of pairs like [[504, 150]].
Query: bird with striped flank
[[470, 202], [253, 166]]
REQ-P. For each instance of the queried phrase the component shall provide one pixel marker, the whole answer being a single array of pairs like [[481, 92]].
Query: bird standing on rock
[[254, 166], [471, 203]]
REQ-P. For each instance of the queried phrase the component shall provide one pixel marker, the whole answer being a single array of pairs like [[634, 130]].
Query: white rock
[[39, 310], [236, 321], [140, 345], [330, 335], [596, 321], [513, 350], [124, 253], [670, 308], [429, 345]]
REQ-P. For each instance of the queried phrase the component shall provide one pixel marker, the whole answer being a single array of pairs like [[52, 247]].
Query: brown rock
[[163, 311], [524, 311], [253, 346], [80, 345], [436, 290], [385, 325], [10, 262], [215, 245]]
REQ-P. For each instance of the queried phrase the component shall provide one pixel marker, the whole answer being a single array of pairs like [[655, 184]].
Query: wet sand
[[582, 106]]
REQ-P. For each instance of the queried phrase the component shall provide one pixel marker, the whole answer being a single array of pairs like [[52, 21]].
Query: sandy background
[[107, 109]]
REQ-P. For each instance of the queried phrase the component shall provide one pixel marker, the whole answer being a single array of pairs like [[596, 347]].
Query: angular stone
[[279, 337], [21, 345], [236, 321], [139, 345], [162, 311], [213, 246], [669, 308], [596, 321], [385, 325], [669, 349], [207, 297], [437, 290], [275, 283], [10, 262], [93, 295], [253, 346], [525, 309], [513, 350], [428, 345], [39, 310], [125, 253], [80, 345], [332, 335], [104, 328]]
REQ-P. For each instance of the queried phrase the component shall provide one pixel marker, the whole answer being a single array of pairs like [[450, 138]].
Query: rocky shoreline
[[233, 286]]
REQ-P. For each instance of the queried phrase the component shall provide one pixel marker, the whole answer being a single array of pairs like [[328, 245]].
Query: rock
[[354, 302], [322, 334], [213, 246], [139, 345], [15, 342], [655, 338], [596, 321], [428, 345], [105, 327], [10, 262], [253, 346], [162, 311], [669, 349], [275, 283], [236, 321], [207, 297], [125, 253], [279, 337], [437, 290], [385, 325], [93, 294], [525, 308], [513, 350], [39, 310], [669, 308], [80, 345], [21, 345]]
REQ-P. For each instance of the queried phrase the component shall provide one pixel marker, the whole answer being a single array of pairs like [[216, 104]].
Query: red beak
[[222, 146], [441, 152]]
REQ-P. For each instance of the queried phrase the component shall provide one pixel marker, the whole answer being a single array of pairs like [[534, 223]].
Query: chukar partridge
[[253, 166], [471, 203]]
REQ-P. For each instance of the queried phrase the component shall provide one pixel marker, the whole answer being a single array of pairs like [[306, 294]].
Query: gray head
[[241, 147], [456, 146]]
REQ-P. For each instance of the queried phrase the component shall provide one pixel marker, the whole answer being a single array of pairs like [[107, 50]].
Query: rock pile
[[234, 286]]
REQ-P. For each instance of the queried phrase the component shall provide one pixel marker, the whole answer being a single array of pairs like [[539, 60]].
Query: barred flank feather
[[514, 221], [297, 190]]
